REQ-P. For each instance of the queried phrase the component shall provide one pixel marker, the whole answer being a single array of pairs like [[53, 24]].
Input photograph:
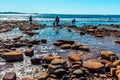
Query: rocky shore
[[116, 26], [104, 66], [97, 31]]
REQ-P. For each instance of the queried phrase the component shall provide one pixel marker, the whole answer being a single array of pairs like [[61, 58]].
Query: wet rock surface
[[101, 32], [43, 76], [36, 61], [29, 52], [74, 57], [117, 41], [68, 54], [95, 66], [10, 76], [12, 56]]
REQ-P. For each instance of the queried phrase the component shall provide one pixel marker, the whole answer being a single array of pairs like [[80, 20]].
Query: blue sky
[[61, 6]]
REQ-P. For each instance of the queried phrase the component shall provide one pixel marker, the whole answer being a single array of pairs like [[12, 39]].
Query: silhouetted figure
[[30, 19], [73, 21], [57, 20]]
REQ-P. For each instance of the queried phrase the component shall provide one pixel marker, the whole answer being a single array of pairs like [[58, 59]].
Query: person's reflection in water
[[56, 29], [57, 20]]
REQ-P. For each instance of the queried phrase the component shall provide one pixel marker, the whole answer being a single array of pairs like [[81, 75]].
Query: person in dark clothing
[[30, 19], [73, 21], [57, 20]]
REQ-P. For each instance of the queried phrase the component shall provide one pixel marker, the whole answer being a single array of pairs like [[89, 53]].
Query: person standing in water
[[73, 21], [57, 20], [30, 19]]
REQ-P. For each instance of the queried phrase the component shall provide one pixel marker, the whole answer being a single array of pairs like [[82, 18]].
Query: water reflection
[[56, 29], [56, 33]]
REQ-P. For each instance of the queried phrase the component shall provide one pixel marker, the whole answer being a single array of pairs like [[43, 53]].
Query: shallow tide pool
[[25, 68]]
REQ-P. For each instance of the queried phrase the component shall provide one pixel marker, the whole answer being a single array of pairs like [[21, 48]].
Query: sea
[[48, 19]]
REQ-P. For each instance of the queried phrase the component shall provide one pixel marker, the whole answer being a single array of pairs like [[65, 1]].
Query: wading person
[[30, 20], [73, 21], [57, 20]]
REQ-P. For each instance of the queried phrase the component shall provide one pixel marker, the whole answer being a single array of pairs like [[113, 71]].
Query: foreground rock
[[69, 44], [27, 78], [13, 56], [94, 66], [118, 74], [58, 62], [49, 58], [57, 69], [74, 57], [61, 42], [58, 43], [65, 46], [78, 72], [84, 48], [34, 42], [57, 65], [36, 61], [75, 61], [116, 63], [8, 45], [98, 35], [117, 41], [115, 72], [75, 47], [29, 52], [108, 55], [90, 30], [43, 76], [10, 76]]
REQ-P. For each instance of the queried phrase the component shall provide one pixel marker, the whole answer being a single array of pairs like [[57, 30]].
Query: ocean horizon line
[[54, 13]]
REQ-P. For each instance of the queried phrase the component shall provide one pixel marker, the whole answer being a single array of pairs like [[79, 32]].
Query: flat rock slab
[[10, 76], [13, 56], [117, 41], [74, 57], [94, 66], [29, 52], [43, 76], [65, 46], [58, 62], [50, 58]]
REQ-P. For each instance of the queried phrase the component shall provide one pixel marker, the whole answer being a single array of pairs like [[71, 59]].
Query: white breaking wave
[[25, 17]]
